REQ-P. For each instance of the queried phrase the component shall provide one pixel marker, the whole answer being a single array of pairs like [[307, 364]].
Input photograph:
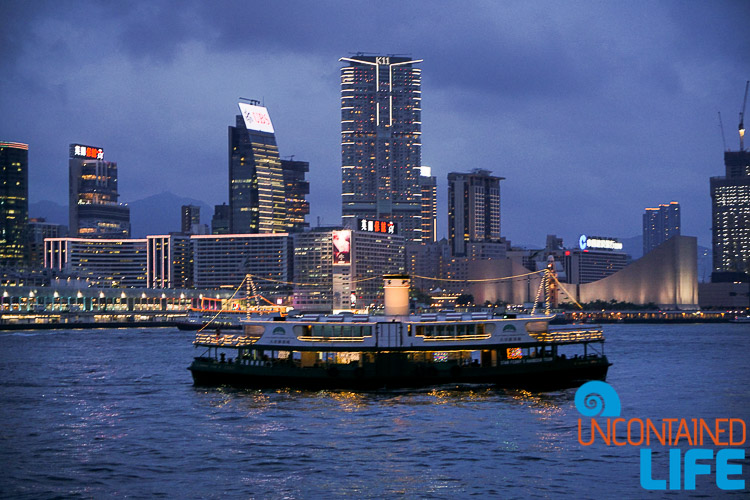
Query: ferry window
[[439, 329], [346, 331], [328, 330], [420, 330], [318, 330], [470, 329], [254, 330], [367, 330], [460, 329], [536, 327], [480, 329]]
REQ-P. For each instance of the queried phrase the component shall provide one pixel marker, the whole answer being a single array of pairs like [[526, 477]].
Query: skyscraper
[[220, 220], [93, 208], [730, 214], [428, 184], [190, 216], [381, 146], [14, 201], [296, 189], [473, 209], [256, 181], [660, 224]]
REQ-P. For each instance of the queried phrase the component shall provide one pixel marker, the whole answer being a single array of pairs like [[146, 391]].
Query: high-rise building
[[39, 230], [660, 224], [256, 180], [190, 216], [14, 202], [730, 213], [473, 209], [92, 201], [428, 184], [296, 189], [220, 220], [381, 141]]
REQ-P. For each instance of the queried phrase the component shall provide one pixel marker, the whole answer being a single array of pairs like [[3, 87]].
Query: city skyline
[[575, 119]]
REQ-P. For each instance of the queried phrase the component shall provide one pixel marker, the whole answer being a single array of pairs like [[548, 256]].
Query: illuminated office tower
[[256, 181], [94, 211], [660, 224], [14, 201], [381, 145], [473, 210], [730, 211]]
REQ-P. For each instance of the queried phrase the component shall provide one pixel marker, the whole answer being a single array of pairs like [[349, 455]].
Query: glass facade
[[14, 202], [256, 182]]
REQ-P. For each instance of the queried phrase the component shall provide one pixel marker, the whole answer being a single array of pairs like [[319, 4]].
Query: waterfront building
[[473, 209], [381, 142], [223, 261], [296, 189], [340, 269], [169, 261], [730, 218], [428, 184], [256, 180], [14, 202], [190, 217], [103, 262], [666, 276], [220, 220], [94, 211], [38, 230], [660, 224]]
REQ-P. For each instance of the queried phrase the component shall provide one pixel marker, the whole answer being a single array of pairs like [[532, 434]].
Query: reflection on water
[[101, 413]]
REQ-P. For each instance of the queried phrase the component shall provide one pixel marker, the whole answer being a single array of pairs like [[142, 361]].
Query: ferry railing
[[580, 334], [209, 340]]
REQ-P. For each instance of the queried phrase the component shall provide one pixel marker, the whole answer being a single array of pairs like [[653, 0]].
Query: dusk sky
[[592, 111]]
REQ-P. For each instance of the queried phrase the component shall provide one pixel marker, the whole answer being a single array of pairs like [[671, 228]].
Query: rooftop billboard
[[256, 117]]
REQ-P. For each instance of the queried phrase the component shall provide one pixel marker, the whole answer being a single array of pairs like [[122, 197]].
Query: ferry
[[398, 350]]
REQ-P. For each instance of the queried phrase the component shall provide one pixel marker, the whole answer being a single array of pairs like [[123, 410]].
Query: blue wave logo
[[597, 398]]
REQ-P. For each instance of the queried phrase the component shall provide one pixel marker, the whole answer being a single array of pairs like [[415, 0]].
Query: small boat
[[398, 350], [740, 319]]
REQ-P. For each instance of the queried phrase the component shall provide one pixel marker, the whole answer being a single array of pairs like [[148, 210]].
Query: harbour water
[[113, 413]]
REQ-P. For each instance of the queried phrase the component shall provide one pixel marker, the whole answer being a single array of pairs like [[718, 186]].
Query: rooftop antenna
[[742, 119], [721, 126]]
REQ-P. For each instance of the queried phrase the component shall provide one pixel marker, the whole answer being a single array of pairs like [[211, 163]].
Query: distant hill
[[160, 214], [50, 211], [157, 214]]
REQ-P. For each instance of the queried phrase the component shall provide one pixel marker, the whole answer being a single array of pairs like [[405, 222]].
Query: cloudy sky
[[592, 111]]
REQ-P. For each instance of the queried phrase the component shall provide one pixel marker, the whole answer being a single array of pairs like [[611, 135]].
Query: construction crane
[[742, 119], [721, 126]]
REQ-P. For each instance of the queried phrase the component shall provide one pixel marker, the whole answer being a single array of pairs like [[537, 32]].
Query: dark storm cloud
[[591, 110]]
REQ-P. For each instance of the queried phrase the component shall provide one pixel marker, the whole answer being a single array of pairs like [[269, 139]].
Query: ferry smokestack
[[396, 294]]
